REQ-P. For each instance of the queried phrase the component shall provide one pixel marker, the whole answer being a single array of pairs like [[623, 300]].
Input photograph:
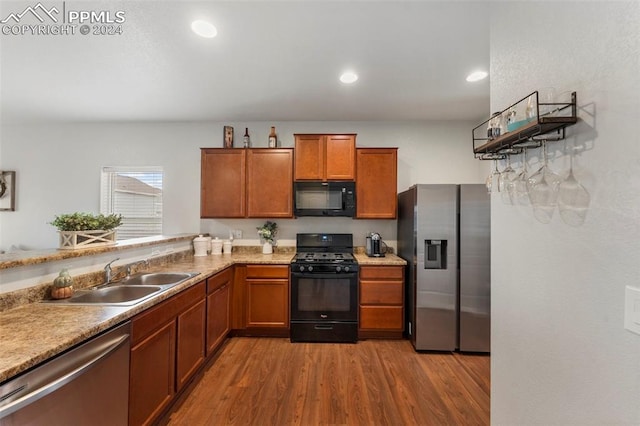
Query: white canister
[[200, 245], [216, 246], [227, 247]]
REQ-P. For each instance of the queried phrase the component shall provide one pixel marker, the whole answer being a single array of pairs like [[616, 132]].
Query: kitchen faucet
[[139, 262], [107, 271]]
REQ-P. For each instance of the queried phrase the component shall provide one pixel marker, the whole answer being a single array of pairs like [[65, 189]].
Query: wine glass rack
[[548, 123]]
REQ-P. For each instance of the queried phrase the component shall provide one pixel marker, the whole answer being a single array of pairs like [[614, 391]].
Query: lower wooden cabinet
[[167, 347], [381, 301], [190, 342], [218, 303], [267, 296], [151, 380]]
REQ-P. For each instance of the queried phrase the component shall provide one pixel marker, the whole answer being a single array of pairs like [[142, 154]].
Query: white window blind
[[136, 194]]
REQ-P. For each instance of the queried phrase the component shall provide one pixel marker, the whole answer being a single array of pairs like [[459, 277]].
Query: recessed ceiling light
[[348, 77], [477, 76], [204, 29]]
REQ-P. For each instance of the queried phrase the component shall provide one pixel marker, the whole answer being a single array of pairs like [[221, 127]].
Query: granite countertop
[[387, 260], [32, 333], [34, 257]]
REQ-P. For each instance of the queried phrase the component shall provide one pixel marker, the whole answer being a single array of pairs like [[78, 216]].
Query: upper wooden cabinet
[[270, 182], [223, 183], [325, 157], [377, 183], [246, 183]]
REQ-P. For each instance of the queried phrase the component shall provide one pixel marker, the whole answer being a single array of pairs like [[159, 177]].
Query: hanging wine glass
[[544, 193], [573, 199], [492, 180], [536, 176], [506, 176], [521, 190]]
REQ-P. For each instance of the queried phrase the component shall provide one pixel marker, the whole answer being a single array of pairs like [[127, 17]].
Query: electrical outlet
[[237, 234]]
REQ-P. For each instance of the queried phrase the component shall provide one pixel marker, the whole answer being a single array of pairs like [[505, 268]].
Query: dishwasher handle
[[58, 382]]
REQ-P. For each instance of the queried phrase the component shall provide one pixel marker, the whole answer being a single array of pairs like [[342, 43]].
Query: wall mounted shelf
[[550, 125]]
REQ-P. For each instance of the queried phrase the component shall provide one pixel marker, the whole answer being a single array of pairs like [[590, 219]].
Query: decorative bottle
[[245, 139], [273, 140]]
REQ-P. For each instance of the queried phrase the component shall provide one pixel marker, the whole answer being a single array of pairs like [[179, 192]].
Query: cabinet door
[[376, 183], [309, 157], [267, 303], [222, 183], [190, 342], [151, 377], [340, 157], [381, 300], [270, 182], [217, 317], [381, 318]]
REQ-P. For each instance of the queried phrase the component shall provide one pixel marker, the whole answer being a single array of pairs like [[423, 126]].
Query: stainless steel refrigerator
[[444, 235]]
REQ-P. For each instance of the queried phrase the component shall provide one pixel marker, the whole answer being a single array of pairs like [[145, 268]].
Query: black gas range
[[324, 289]]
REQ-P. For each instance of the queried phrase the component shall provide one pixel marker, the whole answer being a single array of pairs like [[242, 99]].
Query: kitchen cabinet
[[190, 342], [376, 183], [381, 301], [325, 157], [167, 347], [223, 183], [246, 183], [267, 298], [218, 303], [270, 183]]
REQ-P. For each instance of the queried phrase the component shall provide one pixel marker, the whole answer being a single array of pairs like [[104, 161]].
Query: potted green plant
[[268, 233], [82, 230]]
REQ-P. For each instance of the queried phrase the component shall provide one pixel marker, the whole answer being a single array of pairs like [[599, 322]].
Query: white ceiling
[[270, 61]]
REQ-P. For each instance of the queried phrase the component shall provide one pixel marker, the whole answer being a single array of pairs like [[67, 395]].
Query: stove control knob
[[310, 268], [338, 268], [301, 268], [346, 269]]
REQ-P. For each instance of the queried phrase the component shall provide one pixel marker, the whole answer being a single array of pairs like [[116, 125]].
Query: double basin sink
[[129, 291]]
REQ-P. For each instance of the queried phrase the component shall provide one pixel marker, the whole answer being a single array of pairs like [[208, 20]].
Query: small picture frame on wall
[[228, 137], [7, 191]]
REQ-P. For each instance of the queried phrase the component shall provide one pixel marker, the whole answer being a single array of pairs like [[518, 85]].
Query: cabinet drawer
[[267, 271], [219, 279], [381, 292], [381, 272], [381, 317], [155, 317]]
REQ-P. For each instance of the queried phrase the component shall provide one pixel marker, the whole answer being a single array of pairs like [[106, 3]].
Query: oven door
[[324, 297]]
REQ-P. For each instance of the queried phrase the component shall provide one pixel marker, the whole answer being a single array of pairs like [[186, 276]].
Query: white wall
[[58, 168], [560, 354]]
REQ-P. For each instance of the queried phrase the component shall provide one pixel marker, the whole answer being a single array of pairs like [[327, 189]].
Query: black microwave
[[337, 198]]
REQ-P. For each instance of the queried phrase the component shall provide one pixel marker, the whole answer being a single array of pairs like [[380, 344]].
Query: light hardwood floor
[[270, 381]]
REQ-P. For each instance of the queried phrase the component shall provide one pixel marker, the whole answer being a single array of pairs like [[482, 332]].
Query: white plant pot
[[267, 248]]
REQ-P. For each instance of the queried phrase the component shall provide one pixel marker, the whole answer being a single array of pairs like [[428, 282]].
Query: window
[[136, 194]]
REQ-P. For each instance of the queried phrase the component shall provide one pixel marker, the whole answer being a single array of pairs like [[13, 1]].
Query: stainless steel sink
[[129, 291], [116, 294], [156, 278]]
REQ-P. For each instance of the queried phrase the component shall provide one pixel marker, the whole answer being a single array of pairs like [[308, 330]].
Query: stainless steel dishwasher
[[87, 385]]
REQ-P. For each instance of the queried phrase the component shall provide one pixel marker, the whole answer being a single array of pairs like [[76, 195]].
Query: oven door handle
[[348, 275]]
